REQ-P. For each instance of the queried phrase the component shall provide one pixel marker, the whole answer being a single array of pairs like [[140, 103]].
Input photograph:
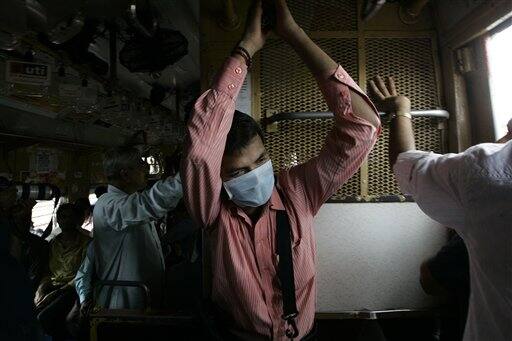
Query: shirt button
[[238, 70], [231, 86], [340, 75]]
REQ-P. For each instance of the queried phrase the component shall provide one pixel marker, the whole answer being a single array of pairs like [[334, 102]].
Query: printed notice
[[28, 73]]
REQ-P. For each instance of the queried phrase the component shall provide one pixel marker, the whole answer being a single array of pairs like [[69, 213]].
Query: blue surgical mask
[[252, 189]]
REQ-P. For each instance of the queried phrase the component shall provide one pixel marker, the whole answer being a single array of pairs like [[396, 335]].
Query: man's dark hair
[[83, 204], [100, 190], [243, 129], [119, 158], [72, 210]]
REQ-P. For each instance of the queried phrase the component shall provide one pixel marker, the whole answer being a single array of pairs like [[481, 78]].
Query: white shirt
[[126, 243], [472, 193]]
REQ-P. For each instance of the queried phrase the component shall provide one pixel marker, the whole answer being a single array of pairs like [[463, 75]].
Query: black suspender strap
[[285, 272]]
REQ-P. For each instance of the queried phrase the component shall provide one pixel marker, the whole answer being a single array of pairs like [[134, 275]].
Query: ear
[[124, 174]]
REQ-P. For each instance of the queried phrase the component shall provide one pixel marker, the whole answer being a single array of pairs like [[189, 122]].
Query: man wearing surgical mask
[[229, 185]]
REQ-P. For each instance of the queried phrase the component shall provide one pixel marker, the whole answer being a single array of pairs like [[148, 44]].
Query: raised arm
[[356, 123], [208, 128], [321, 65], [153, 203], [399, 107], [433, 180]]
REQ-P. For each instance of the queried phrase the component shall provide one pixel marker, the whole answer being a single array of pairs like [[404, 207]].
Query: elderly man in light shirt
[[126, 243], [471, 192]]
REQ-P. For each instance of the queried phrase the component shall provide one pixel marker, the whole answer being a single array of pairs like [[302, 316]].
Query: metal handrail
[[385, 314], [283, 116], [143, 286]]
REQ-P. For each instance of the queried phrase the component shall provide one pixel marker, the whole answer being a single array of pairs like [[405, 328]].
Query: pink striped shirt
[[245, 284]]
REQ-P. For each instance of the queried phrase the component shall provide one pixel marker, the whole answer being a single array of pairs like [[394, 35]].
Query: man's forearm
[[401, 137], [313, 56], [320, 63]]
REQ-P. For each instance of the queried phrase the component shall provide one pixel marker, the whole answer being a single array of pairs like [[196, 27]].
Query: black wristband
[[245, 54]]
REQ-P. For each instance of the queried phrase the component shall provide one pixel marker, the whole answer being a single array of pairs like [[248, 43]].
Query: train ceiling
[[139, 90]]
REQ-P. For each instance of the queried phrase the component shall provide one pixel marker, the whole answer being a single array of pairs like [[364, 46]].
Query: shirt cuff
[[340, 76], [231, 77], [173, 186], [82, 297], [404, 167]]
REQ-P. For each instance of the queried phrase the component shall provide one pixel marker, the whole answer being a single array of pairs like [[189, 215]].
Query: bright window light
[[499, 53], [92, 199], [42, 215], [154, 165]]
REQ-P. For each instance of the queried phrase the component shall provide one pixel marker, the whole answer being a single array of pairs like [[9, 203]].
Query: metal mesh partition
[[410, 61], [381, 181], [325, 15], [297, 141], [287, 85]]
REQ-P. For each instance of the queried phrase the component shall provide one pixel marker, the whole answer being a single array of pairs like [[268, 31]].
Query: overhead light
[[66, 30], [142, 19], [370, 8]]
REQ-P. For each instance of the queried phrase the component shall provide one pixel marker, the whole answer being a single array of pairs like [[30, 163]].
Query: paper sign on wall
[[45, 161], [28, 73]]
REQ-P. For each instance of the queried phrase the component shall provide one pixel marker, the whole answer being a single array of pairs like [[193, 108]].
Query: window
[[42, 214], [92, 199], [499, 54], [154, 165]]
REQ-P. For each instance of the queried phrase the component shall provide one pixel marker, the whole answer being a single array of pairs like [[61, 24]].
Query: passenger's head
[[84, 205], [21, 214], [69, 218], [125, 169], [508, 136], [246, 168], [172, 163], [244, 149], [7, 194], [100, 190]]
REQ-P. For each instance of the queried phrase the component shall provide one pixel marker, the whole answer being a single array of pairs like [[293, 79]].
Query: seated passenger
[[17, 318], [126, 243], [29, 250], [56, 295], [229, 187], [447, 274], [84, 205], [508, 135], [471, 192]]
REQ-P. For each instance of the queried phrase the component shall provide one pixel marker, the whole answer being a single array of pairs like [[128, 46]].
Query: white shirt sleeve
[[83, 278], [153, 203], [435, 183]]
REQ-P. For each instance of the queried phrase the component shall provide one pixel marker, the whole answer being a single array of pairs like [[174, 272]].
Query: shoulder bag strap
[[285, 272]]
